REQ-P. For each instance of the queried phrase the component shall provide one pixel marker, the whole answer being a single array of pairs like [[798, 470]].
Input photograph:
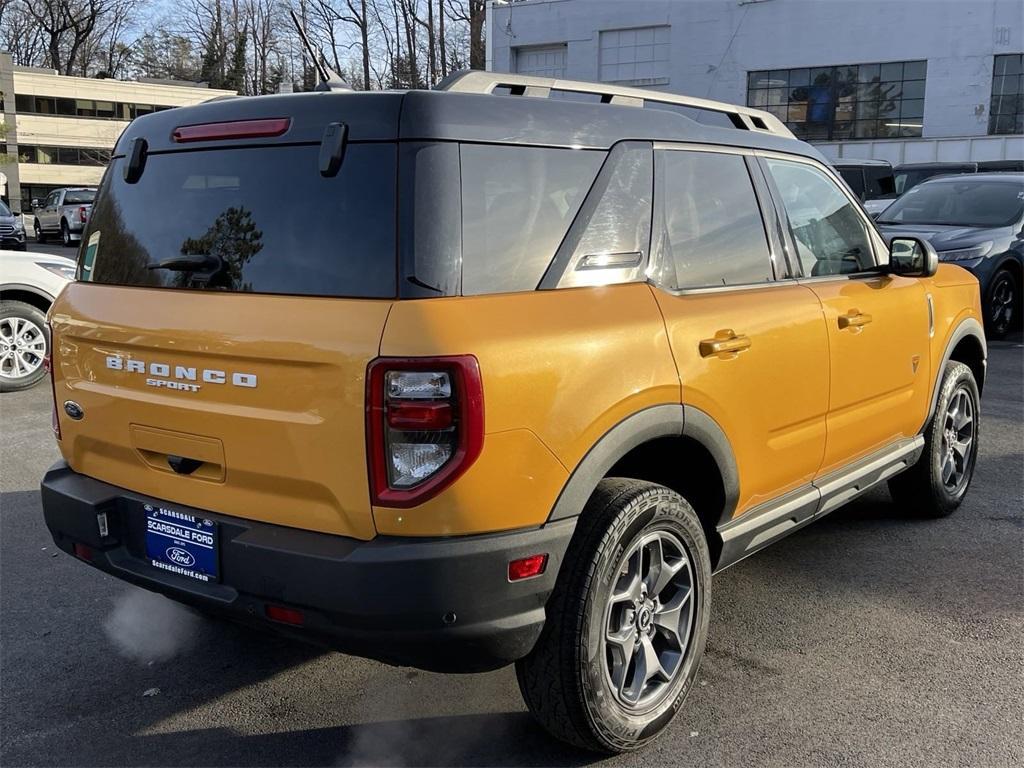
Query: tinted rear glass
[[254, 219], [517, 204], [79, 196]]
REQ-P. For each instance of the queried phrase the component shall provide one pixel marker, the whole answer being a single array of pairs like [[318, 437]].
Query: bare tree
[[20, 34]]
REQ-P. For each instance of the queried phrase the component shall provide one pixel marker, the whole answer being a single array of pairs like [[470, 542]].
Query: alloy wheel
[[22, 348], [1002, 303], [649, 620], [957, 441]]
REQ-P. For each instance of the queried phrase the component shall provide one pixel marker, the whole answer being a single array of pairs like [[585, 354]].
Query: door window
[[830, 235], [711, 232]]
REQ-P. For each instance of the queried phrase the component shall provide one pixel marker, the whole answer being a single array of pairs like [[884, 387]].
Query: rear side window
[[517, 204], [250, 220], [712, 232], [854, 177], [880, 183]]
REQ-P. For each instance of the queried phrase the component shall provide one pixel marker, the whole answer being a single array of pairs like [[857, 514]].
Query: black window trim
[[773, 228], [878, 249]]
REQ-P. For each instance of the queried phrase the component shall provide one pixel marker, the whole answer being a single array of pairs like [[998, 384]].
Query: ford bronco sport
[[500, 372]]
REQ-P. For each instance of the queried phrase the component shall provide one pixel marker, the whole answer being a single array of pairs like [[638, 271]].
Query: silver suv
[[65, 212]]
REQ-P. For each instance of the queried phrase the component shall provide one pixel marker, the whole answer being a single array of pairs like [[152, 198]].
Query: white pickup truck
[[65, 212]]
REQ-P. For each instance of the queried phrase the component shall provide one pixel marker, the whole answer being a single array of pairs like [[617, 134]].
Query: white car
[[29, 282]]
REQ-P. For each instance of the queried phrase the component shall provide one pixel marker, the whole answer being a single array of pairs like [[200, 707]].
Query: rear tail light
[[424, 425], [83, 552], [48, 367], [83, 214]]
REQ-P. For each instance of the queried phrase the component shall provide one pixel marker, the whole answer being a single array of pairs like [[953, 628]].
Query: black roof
[[449, 116]]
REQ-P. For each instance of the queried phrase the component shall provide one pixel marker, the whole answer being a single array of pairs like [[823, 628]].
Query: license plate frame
[[183, 544]]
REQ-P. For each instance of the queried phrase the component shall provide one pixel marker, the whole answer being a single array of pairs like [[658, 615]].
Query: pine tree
[[235, 79]]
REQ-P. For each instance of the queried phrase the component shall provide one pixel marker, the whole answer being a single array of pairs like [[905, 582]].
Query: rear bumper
[[440, 604]]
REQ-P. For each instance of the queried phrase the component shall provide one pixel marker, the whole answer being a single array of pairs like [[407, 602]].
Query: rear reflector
[[83, 552], [238, 129], [527, 567], [413, 415], [285, 615], [48, 367]]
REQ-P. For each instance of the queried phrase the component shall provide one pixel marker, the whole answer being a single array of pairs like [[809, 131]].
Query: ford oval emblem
[[73, 409], [180, 556]]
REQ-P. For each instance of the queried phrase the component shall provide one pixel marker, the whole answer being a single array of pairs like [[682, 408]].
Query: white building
[[899, 80], [59, 130]]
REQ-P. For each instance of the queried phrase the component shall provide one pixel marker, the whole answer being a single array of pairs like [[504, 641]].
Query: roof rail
[[480, 81]]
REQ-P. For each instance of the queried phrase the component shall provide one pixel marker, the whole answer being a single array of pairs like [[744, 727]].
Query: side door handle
[[725, 342], [854, 319]]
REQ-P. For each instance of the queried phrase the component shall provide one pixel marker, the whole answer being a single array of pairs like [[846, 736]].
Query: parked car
[[909, 175], [31, 282], [64, 212], [488, 384], [976, 222], [1000, 165], [871, 180], [12, 230]]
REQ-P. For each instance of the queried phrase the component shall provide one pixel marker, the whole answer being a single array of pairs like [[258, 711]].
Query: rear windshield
[[79, 196], [249, 219]]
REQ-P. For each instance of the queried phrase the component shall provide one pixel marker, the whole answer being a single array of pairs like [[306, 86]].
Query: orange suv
[[500, 372]]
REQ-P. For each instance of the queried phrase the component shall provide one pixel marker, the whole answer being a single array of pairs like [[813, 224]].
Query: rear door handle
[[725, 342], [854, 319]]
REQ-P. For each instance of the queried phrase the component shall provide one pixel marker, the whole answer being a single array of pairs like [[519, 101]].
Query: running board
[[769, 522]]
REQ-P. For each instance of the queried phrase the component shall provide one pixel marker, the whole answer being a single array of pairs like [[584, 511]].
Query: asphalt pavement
[[865, 639]]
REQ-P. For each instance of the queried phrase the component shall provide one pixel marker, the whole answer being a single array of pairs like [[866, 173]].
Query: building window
[[541, 60], [858, 101], [1006, 110], [95, 156], [106, 110], [635, 56]]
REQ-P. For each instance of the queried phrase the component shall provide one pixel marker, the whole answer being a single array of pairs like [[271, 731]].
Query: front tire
[[936, 485], [24, 342], [1002, 310], [627, 622]]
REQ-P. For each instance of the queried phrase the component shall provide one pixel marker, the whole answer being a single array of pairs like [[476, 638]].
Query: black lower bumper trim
[[442, 604]]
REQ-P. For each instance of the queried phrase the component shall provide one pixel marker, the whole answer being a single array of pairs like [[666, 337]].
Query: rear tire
[[40, 235], [24, 342], [936, 485], [627, 622], [65, 234]]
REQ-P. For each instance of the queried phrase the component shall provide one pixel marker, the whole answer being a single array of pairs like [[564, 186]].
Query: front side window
[[517, 205], [711, 230], [830, 235]]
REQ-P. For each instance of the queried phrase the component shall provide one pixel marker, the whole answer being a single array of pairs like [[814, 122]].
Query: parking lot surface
[[866, 639]]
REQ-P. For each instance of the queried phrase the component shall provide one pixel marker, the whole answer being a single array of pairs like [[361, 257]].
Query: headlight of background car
[[966, 254], [67, 271], [19, 225]]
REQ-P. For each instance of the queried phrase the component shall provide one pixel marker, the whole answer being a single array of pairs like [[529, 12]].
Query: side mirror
[[912, 257]]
